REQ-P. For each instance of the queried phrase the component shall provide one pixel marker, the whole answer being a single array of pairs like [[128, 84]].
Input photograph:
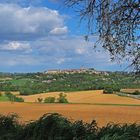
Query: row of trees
[[61, 99], [8, 96]]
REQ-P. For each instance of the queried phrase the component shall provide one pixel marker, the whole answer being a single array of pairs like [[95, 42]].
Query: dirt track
[[103, 114]]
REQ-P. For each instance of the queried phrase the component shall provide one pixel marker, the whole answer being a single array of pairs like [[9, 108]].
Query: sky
[[38, 35]]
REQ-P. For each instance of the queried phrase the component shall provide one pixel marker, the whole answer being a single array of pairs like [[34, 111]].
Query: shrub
[[13, 98], [116, 89], [49, 100], [62, 98], [108, 91], [39, 100], [9, 127], [56, 127], [136, 92], [26, 91]]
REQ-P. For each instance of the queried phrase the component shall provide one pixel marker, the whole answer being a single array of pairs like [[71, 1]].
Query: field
[[3, 97], [101, 113], [87, 97], [130, 90], [85, 105]]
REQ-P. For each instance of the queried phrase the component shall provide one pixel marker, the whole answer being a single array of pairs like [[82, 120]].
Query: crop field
[[83, 105], [89, 97], [101, 113]]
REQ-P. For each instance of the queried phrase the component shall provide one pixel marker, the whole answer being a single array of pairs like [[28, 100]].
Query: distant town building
[[72, 71]]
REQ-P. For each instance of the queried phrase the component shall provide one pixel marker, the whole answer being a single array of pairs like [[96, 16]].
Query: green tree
[[49, 100], [40, 100], [62, 98]]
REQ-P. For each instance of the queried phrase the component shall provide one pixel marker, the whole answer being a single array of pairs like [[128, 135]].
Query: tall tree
[[118, 24]]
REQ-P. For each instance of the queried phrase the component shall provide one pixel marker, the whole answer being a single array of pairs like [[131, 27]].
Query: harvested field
[[102, 114], [130, 90], [92, 97]]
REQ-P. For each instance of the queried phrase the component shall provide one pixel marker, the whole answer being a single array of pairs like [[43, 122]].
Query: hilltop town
[[72, 71]]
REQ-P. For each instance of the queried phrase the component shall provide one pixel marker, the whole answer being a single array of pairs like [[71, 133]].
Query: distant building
[[82, 70], [72, 71]]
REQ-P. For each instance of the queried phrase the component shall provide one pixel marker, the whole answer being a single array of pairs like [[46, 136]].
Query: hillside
[[33, 83]]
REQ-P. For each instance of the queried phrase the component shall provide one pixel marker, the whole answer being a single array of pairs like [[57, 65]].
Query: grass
[[3, 97], [20, 82]]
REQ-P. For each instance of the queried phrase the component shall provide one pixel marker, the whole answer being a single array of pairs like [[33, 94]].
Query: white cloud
[[57, 31], [54, 52], [16, 46], [24, 23]]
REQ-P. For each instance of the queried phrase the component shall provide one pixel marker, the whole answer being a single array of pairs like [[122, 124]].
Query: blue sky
[[43, 34]]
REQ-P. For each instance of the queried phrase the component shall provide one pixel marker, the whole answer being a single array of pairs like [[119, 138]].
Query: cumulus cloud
[[55, 52], [36, 37], [18, 23], [58, 31], [16, 46], [64, 46], [66, 49]]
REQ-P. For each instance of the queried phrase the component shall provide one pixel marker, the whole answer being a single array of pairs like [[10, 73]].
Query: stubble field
[[102, 114], [88, 97], [85, 105]]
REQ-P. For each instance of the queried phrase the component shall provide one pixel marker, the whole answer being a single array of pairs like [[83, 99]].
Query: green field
[[3, 97]]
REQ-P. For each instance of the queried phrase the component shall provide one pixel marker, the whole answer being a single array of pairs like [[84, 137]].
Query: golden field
[[91, 97], [102, 114], [127, 110]]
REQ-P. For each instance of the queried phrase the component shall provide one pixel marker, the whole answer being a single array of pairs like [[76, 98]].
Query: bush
[[48, 127], [108, 91], [49, 100], [136, 92], [56, 127], [62, 98], [9, 127], [26, 91], [13, 98]]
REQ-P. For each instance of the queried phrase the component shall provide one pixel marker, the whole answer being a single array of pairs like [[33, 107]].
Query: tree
[[49, 100], [62, 98], [118, 24], [40, 100]]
